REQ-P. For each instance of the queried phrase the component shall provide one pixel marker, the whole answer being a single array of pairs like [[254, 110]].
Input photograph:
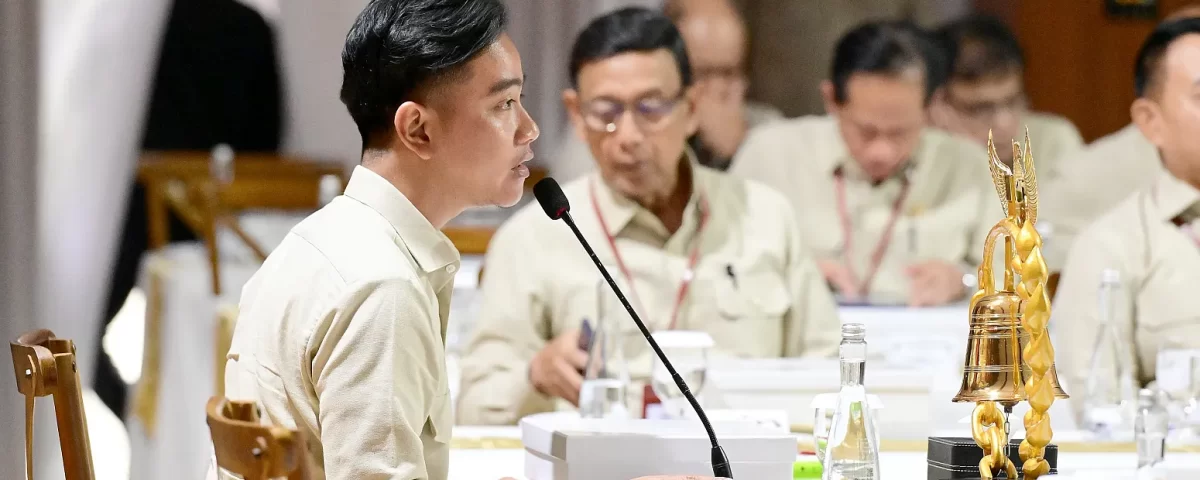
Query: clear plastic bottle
[[1110, 396], [852, 451], [606, 375], [1150, 430]]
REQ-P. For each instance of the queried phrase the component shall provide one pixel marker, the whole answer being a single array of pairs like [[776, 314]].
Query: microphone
[[554, 202]]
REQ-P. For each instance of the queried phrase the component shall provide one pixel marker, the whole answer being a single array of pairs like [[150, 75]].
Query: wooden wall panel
[[1079, 58]]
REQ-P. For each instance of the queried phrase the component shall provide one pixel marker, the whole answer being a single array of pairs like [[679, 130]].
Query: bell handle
[[987, 282]]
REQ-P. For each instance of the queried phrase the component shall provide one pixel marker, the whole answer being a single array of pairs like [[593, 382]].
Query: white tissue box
[[563, 446]]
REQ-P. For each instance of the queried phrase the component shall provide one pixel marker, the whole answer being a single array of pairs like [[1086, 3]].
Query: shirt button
[[451, 268]]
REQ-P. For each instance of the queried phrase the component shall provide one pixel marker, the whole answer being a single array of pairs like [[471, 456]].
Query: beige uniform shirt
[[1083, 185], [1053, 138], [341, 336], [755, 289], [1159, 264], [946, 214], [574, 159]]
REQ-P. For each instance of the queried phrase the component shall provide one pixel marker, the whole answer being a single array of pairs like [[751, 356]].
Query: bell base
[[957, 458]]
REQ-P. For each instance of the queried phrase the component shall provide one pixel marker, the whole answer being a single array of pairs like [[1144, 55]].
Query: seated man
[[896, 212], [694, 249], [1085, 184], [715, 35], [986, 92], [1152, 238]]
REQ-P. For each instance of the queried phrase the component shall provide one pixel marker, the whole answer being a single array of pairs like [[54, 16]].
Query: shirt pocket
[[750, 306]]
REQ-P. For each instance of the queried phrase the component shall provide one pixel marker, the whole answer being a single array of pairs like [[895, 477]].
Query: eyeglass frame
[[593, 122], [984, 111]]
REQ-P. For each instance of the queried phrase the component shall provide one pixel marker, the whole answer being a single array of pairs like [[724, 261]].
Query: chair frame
[[245, 447], [45, 366]]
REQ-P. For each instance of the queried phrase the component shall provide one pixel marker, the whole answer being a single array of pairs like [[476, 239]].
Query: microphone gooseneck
[[554, 202]]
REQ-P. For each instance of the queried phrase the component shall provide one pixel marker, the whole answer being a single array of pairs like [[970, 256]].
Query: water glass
[[688, 353]]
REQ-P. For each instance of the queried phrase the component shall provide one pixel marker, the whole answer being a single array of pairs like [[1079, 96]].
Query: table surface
[[496, 463]]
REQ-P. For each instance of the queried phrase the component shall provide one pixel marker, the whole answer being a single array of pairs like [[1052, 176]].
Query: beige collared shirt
[[1053, 138], [1083, 185], [1159, 266], [574, 159], [755, 289], [946, 214], [341, 336]]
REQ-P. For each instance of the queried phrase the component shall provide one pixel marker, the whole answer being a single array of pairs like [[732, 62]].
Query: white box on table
[[563, 446]]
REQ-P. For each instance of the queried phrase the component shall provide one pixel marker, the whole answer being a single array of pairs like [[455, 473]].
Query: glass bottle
[[1110, 397], [852, 451], [1150, 430], [606, 375]]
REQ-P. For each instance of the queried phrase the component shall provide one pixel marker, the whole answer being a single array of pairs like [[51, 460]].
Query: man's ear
[[412, 128], [828, 98], [1148, 117], [690, 97], [570, 100]]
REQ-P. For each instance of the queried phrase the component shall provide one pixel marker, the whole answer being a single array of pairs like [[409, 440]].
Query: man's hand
[[720, 109], [839, 277], [554, 371], [934, 282]]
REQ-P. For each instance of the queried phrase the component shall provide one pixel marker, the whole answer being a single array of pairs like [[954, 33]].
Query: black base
[[957, 458]]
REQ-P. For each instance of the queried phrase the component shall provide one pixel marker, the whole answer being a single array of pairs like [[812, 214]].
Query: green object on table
[[806, 469]]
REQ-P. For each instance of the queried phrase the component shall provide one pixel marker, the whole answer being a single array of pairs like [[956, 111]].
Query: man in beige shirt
[[693, 248], [1152, 238], [716, 39], [341, 333], [896, 212], [1091, 181], [985, 93]]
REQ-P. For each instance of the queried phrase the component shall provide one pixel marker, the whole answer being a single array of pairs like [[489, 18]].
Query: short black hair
[[886, 47], [1148, 68], [632, 29], [979, 47], [396, 47]]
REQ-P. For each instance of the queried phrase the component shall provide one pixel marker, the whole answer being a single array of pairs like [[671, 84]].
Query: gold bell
[[993, 367]]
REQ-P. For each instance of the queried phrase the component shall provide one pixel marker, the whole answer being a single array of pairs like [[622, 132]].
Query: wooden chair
[[245, 447], [183, 182], [45, 365]]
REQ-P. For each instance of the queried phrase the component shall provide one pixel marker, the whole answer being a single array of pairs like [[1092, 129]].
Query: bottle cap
[[855, 331]]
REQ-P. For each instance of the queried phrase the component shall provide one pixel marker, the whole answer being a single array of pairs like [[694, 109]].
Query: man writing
[[894, 211], [693, 248], [341, 332]]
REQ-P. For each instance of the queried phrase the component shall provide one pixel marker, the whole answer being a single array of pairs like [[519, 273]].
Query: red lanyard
[[688, 272], [848, 232]]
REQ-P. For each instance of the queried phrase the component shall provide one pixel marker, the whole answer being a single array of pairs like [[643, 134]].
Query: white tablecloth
[[493, 464]]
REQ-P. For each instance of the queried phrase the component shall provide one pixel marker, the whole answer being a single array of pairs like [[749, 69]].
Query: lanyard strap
[[881, 247], [688, 272]]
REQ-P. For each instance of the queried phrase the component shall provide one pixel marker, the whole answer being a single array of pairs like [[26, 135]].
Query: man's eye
[[509, 103]]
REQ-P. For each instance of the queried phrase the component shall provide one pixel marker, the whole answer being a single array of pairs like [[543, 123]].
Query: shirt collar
[[428, 246], [619, 211], [1175, 197]]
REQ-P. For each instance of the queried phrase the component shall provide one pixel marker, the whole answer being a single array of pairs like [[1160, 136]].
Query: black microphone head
[[551, 197]]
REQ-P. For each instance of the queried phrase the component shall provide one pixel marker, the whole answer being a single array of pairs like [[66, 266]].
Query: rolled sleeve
[[375, 378]]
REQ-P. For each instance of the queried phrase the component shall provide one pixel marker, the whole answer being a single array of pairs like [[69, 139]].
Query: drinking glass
[[688, 353]]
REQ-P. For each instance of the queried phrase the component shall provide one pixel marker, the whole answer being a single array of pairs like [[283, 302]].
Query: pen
[[732, 277]]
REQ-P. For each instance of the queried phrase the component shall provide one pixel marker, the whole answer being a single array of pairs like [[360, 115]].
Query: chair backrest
[[45, 365], [254, 451]]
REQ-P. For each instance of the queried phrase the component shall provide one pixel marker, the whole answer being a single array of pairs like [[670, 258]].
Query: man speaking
[[341, 332]]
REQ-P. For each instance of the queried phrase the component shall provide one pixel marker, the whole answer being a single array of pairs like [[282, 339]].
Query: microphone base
[[720, 463]]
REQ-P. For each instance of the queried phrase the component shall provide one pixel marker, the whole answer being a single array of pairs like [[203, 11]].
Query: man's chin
[[510, 194]]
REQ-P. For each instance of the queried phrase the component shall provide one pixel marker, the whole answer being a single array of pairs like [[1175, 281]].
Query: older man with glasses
[[693, 248]]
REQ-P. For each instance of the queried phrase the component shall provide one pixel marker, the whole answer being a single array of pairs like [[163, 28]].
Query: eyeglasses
[[984, 111], [650, 113]]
